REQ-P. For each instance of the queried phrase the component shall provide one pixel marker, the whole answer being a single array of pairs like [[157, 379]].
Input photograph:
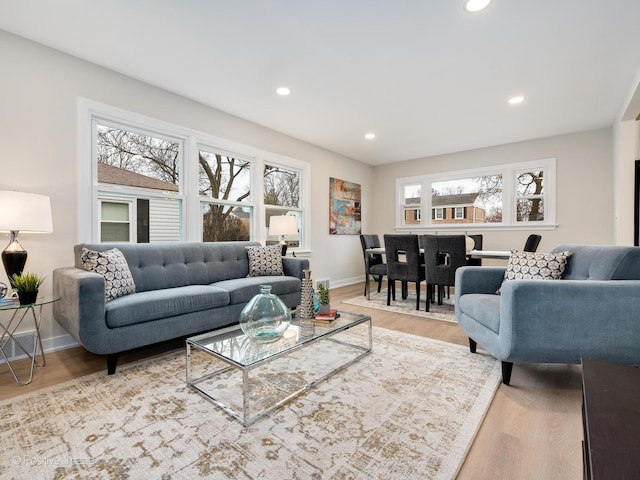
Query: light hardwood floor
[[533, 429]]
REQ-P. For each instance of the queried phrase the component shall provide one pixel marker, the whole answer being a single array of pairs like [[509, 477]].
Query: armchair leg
[[472, 345], [506, 372]]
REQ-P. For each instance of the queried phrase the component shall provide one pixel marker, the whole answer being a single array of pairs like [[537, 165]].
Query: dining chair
[[373, 263], [443, 255], [531, 245], [404, 264]]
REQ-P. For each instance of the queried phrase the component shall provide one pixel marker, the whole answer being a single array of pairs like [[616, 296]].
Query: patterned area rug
[[378, 301], [409, 410]]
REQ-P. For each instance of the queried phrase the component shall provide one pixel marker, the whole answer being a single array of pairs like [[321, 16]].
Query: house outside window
[[504, 196]]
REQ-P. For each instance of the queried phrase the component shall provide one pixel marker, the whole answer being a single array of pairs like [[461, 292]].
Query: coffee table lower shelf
[[249, 380]]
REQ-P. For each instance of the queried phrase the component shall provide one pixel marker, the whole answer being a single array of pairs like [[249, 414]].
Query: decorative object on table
[[327, 317], [325, 300], [3, 290], [22, 212], [283, 225], [344, 207], [306, 313], [27, 285], [265, 318]]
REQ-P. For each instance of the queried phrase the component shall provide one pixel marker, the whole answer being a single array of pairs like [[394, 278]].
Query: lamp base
[[14, 257], [284, 249]]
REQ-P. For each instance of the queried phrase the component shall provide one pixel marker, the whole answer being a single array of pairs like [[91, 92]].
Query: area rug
[[444, 312], [409, 410]]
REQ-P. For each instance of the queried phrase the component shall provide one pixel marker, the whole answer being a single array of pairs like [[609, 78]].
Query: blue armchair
[[594, 311]]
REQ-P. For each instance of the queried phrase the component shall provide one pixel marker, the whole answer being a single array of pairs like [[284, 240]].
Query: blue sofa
[[180, 289], [592, 312]]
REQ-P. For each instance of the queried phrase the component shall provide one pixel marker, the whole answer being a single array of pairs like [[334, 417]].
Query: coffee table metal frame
[[210, 342]]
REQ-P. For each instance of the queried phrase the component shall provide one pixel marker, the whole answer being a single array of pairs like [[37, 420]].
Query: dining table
[[482, 254]]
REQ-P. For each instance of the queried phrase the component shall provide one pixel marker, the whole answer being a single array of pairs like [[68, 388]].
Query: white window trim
[[508, 172], [133, 232], [88, 205]]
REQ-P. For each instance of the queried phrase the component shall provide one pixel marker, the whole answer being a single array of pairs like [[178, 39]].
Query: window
[[137, 168], [500, 196], [282, 197], [115, 221], [152, 181], [224, 186]]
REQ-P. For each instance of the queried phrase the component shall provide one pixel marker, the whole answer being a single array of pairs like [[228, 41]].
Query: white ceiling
[[425, 76]]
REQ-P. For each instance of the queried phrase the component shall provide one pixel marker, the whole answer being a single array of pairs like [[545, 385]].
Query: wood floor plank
[[533, 429]]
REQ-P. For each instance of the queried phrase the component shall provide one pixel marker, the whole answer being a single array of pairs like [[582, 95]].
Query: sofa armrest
[[294, 266], [563, 320], [478, 280], [81, 305]]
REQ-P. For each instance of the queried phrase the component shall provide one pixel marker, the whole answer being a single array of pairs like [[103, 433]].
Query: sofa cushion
[[242, 290], [265, 261], [112, 265], [157, 304], [483, 308], [535, 266]]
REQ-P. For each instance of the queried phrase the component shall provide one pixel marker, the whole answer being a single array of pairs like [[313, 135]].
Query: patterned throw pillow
[[112, 265], [265, 261], [535, 266]]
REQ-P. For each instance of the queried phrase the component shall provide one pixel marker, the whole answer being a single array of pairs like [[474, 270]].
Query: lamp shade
[[283, 225], [25, 212]]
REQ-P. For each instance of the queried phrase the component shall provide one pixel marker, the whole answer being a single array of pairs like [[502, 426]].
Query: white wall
[[584, 186], [40, 87]]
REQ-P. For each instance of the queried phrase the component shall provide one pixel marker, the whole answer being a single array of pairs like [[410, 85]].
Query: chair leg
[[506, 372], [417, 295], [389, 287], [472, 345], [379, 283]]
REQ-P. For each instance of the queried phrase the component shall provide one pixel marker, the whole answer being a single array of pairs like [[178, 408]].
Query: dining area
[[411, 260]]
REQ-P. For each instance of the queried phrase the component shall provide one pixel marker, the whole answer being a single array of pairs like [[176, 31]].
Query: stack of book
[[327, 317]]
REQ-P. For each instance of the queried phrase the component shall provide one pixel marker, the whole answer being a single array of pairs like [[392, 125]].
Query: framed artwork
[[344, 207]]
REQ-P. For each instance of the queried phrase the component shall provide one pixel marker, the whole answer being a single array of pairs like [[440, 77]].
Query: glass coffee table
[[248, 380]]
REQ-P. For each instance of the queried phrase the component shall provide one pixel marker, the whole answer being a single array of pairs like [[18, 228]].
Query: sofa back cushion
[[167, 265], [601, 262]]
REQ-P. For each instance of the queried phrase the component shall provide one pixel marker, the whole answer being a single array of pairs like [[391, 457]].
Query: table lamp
[[283, 225], [22, 212]]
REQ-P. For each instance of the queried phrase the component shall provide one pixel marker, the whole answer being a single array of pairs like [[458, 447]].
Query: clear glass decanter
[[266, 317]]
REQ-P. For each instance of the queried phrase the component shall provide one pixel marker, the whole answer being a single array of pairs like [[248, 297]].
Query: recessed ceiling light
[[370, 136], [284, 91], [516, 100], [473, 6]]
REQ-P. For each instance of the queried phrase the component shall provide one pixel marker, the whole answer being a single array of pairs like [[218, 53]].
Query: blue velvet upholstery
[[181, 289], [594, 311]]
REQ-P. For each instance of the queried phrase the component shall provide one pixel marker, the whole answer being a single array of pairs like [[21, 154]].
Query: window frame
[[510, 196], [90, 111]]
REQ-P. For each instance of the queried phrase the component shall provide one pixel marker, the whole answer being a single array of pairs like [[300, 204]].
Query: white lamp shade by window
[[283, 225], [25, 212]]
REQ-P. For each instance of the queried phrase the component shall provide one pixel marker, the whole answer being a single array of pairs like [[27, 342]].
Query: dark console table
[[611, 420]]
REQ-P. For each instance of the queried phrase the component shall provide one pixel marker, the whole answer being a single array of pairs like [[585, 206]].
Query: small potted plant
[[325, 299], [26, 284]]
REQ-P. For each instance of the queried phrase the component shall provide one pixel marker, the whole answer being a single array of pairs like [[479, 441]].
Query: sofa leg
[[472, 345], [506, 372], [112, 361]]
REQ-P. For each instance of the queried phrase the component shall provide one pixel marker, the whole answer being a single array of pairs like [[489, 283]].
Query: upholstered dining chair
[[373, 263], [443, 255], [531, 245], [404, 264]]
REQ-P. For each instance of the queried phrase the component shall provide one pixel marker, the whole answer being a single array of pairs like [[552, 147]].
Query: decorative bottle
[[265, 318], [306, 306]]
